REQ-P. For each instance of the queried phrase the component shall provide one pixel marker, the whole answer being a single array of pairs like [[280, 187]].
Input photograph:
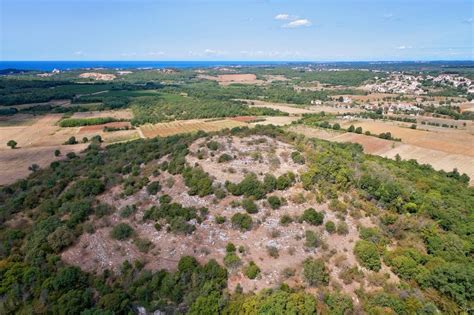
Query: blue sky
[[336, 30]]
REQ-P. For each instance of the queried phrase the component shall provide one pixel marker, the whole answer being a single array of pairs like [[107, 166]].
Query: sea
[[71, 65]]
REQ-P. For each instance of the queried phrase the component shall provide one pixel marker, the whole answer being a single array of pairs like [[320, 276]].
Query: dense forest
[[424, 234]]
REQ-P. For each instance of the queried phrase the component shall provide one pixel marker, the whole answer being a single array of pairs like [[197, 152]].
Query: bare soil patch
[[117, 114], [98, 128], [14, 163], [227, 79]]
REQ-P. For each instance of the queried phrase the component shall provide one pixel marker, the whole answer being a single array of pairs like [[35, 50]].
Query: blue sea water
[[71, 65]]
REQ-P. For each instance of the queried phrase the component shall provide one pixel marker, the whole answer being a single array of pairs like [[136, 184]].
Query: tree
[[57, 152], [368, 255], [351, 128], [336, 126], [71, 140], [315, 272], [12, 144], [358, 130]]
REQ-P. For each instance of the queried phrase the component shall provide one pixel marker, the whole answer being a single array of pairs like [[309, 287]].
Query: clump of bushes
[[312, 217], [224, 158], [242, 221], [368, 255], [330, 227], [250, 206], [274, 202], [297, 157], [122, 231], [153, 188], [252, 270], [315, 272]]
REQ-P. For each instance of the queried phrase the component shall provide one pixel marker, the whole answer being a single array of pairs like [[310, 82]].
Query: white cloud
[[79, 53], [155, 53], [283, 17], [468, 21], [403, 47], [297, 23], [207, 53]]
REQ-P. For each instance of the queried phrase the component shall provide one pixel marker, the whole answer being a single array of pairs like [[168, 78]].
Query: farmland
[[438, 153], [185, 126]]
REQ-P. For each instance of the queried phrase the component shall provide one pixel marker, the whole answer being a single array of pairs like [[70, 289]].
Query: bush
[[297, 157], [121, 231], [231, 260], [230, 248], [71, 140], [220, 219], [312, 217], [285, 181], [330, 227], [367, 255], [285, 220], [273, 251], [242, 221], [153, 188], [315, 272], [249, 206], [252, 270], [313, 240], [224, 158], [213, 145], [269, 182], [274, 202], [342, 228]]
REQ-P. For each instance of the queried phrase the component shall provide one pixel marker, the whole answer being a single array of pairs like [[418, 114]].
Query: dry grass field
[[293, 109], [439, 159], [452, 141], [185, 126], [226, 79], [14, 163], [117, 114], [39, 136]]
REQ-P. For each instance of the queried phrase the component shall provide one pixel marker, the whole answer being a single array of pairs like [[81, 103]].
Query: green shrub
[[220, 219], [285, 220], [312, 217], [330, 227], [315, 272], [367, 254], [242, 221], [224, 158], [313, 240], [249, 206], [153, 188], [251, 271], [121, 231], [230, 248], [231, 260], [274, 202], [297, 157], [213, 145], [342, 228]]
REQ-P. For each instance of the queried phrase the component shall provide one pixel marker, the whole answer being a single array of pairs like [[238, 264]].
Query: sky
[[261, 30]]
